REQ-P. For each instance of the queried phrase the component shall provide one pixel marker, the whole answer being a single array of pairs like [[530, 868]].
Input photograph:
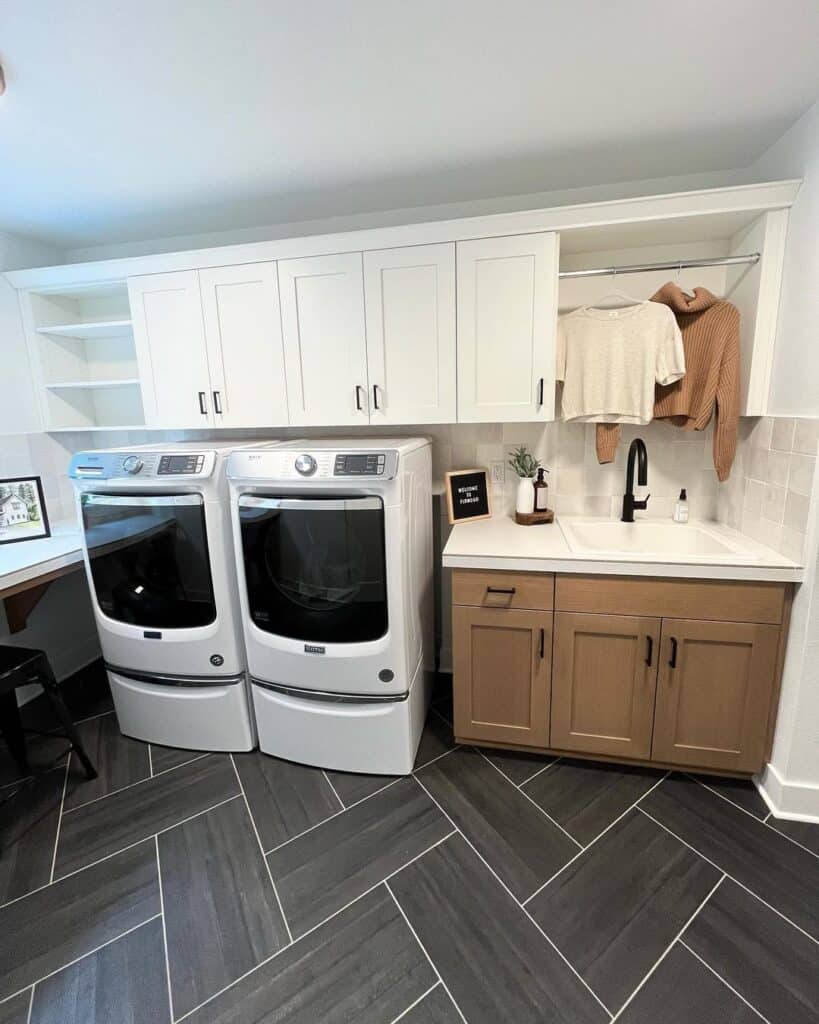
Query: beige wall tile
[[806, 436], [797, 507], [801, 472]]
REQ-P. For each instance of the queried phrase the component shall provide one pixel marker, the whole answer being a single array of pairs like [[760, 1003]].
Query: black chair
[[20, 666]]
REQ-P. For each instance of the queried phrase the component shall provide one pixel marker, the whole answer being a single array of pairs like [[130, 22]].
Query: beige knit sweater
[[710, 333]]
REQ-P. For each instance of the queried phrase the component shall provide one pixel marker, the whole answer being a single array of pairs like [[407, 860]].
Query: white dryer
[[159, 559], [335, 564]]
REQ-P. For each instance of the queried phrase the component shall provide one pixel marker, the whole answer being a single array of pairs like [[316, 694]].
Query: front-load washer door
[[148, 559], [315, 568]]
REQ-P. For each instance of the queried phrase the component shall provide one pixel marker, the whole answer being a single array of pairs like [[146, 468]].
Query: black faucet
[[637, 449]]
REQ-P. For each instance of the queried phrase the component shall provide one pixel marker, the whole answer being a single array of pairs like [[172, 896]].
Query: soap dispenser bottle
[[541, 492], [681, 508]]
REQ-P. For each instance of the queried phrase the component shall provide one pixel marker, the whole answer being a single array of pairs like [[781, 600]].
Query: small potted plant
[[525, 466]]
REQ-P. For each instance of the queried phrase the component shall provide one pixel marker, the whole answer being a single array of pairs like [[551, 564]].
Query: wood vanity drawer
[[483, 588], [723, 600]]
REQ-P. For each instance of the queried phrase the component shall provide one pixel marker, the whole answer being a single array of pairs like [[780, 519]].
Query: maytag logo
[[314, 649]]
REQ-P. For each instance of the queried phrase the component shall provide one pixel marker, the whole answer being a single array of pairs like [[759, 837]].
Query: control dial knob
[[132, 464], [306, 465]]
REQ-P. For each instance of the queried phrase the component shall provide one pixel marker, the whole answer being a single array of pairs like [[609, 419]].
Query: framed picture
[[467, 495], [23, 513]]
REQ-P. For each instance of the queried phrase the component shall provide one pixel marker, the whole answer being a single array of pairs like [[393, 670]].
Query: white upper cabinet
[[507, 316], [169, 335], [325, 352], [244, 345], [410, 303]]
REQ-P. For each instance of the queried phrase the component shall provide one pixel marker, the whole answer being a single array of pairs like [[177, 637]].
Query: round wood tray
[[533, 518]]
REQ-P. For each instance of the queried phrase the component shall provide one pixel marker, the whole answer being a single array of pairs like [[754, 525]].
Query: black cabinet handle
[[358, 390], [202, 406], [216, 404], [540, 392], [375, 397], [542, 643], [500, 590], [672, 661], [649, 650]]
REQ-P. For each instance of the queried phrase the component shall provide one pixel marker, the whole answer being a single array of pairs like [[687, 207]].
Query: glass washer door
[[149, 558], [315, 568]]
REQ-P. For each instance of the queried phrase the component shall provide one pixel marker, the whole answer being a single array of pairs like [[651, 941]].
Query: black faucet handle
[[643, 502]]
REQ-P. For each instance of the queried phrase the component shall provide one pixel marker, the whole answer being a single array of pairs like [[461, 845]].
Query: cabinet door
[[714, 692], [604, 682], [244, 340], [169, 335], [507, 317], [502, 668], [409, 298], [325, 351]]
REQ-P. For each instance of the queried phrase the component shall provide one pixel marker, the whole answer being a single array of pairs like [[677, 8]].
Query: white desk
[[28, 567]]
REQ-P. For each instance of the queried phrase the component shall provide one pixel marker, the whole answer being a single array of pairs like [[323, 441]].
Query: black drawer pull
[[540, 391], [358, 390], [500, 590], [649, 650], [217, 404], [672, 661], [542, 643], [375, 397], [202, 406]]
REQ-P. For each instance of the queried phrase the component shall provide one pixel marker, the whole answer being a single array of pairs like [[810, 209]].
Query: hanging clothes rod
[[639, 268]]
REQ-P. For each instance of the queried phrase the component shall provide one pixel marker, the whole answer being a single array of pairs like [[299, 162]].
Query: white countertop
[[499, 543], [26, 560]]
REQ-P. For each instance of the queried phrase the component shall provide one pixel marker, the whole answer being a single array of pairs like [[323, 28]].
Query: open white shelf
[[118, 383], [90, 331]]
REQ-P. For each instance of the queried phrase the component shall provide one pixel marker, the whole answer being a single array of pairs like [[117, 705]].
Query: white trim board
[[793, 801]]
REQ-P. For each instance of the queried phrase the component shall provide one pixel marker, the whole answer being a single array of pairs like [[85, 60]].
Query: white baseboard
[[795, 801]]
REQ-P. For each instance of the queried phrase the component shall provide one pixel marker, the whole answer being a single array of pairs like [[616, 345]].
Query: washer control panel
[[359, 464], [180, 465], [142, 464]]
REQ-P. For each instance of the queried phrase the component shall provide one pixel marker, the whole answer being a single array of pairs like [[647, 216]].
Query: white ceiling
[[148, 118]]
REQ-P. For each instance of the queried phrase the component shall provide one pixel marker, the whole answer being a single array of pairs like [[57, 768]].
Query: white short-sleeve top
[[610, 359]]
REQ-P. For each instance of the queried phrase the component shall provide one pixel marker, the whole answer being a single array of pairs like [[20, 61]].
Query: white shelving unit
[[82, 346]]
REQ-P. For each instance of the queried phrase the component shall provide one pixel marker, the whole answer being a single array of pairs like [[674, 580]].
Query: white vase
[[525, 500]]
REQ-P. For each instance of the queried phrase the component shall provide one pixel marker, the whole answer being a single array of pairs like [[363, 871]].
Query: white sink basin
[[657, 538]]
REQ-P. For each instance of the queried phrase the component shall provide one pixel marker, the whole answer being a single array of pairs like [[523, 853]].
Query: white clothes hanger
[[615, 298], [685, 291]]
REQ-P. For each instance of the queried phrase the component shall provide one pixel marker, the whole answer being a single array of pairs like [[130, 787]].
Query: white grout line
[[437, 757], [734, 880], [443, 718], [261, 850], [59, 819], [77, 959], [412, 1005], [335, 791], [92, 718], [424, 951], [139, 782], [310, 931], [150, 762], [532, 802], [540, 771], [30, 1004], [765, 819], [593, 841], [164, 929], [516, 900], [716, 974], [791, 839], [670, 946]]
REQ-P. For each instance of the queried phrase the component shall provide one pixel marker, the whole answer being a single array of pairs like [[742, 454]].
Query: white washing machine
[[159, 559], [335, 563]]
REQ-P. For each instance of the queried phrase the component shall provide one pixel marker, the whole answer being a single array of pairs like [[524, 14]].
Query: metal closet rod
[[638, 268]]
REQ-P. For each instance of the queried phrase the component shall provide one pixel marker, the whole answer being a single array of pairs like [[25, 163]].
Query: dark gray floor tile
[[323, 870], [119, 761], [587, 796], [770, 963], [518, 766], [615, 910], [442, 688], [46, 930], [517, 840], [111, 824], [352, 786], [221, 913], [741, 792], [436, 739], [491, 956], [684, 991], [15, 1010], [285, 798], [28, 830], [774, 868], [44, 753], [806, 833], [163, 758], [363, 966], [122, 983], [434, 1008]]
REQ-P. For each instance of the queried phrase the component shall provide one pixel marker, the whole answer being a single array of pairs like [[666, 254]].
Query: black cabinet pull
[[358, 390], [649, 650], [540, 392], [202, 406], [672, 661], [375, 397], [542, 643], [500, 590], [216, 405]]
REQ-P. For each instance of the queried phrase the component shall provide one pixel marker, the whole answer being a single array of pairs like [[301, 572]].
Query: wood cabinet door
[[502, 668], [325, 353], [409, 298], [604, 680], [169, 336], [244, 338], [714, 692], [507, 319]]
